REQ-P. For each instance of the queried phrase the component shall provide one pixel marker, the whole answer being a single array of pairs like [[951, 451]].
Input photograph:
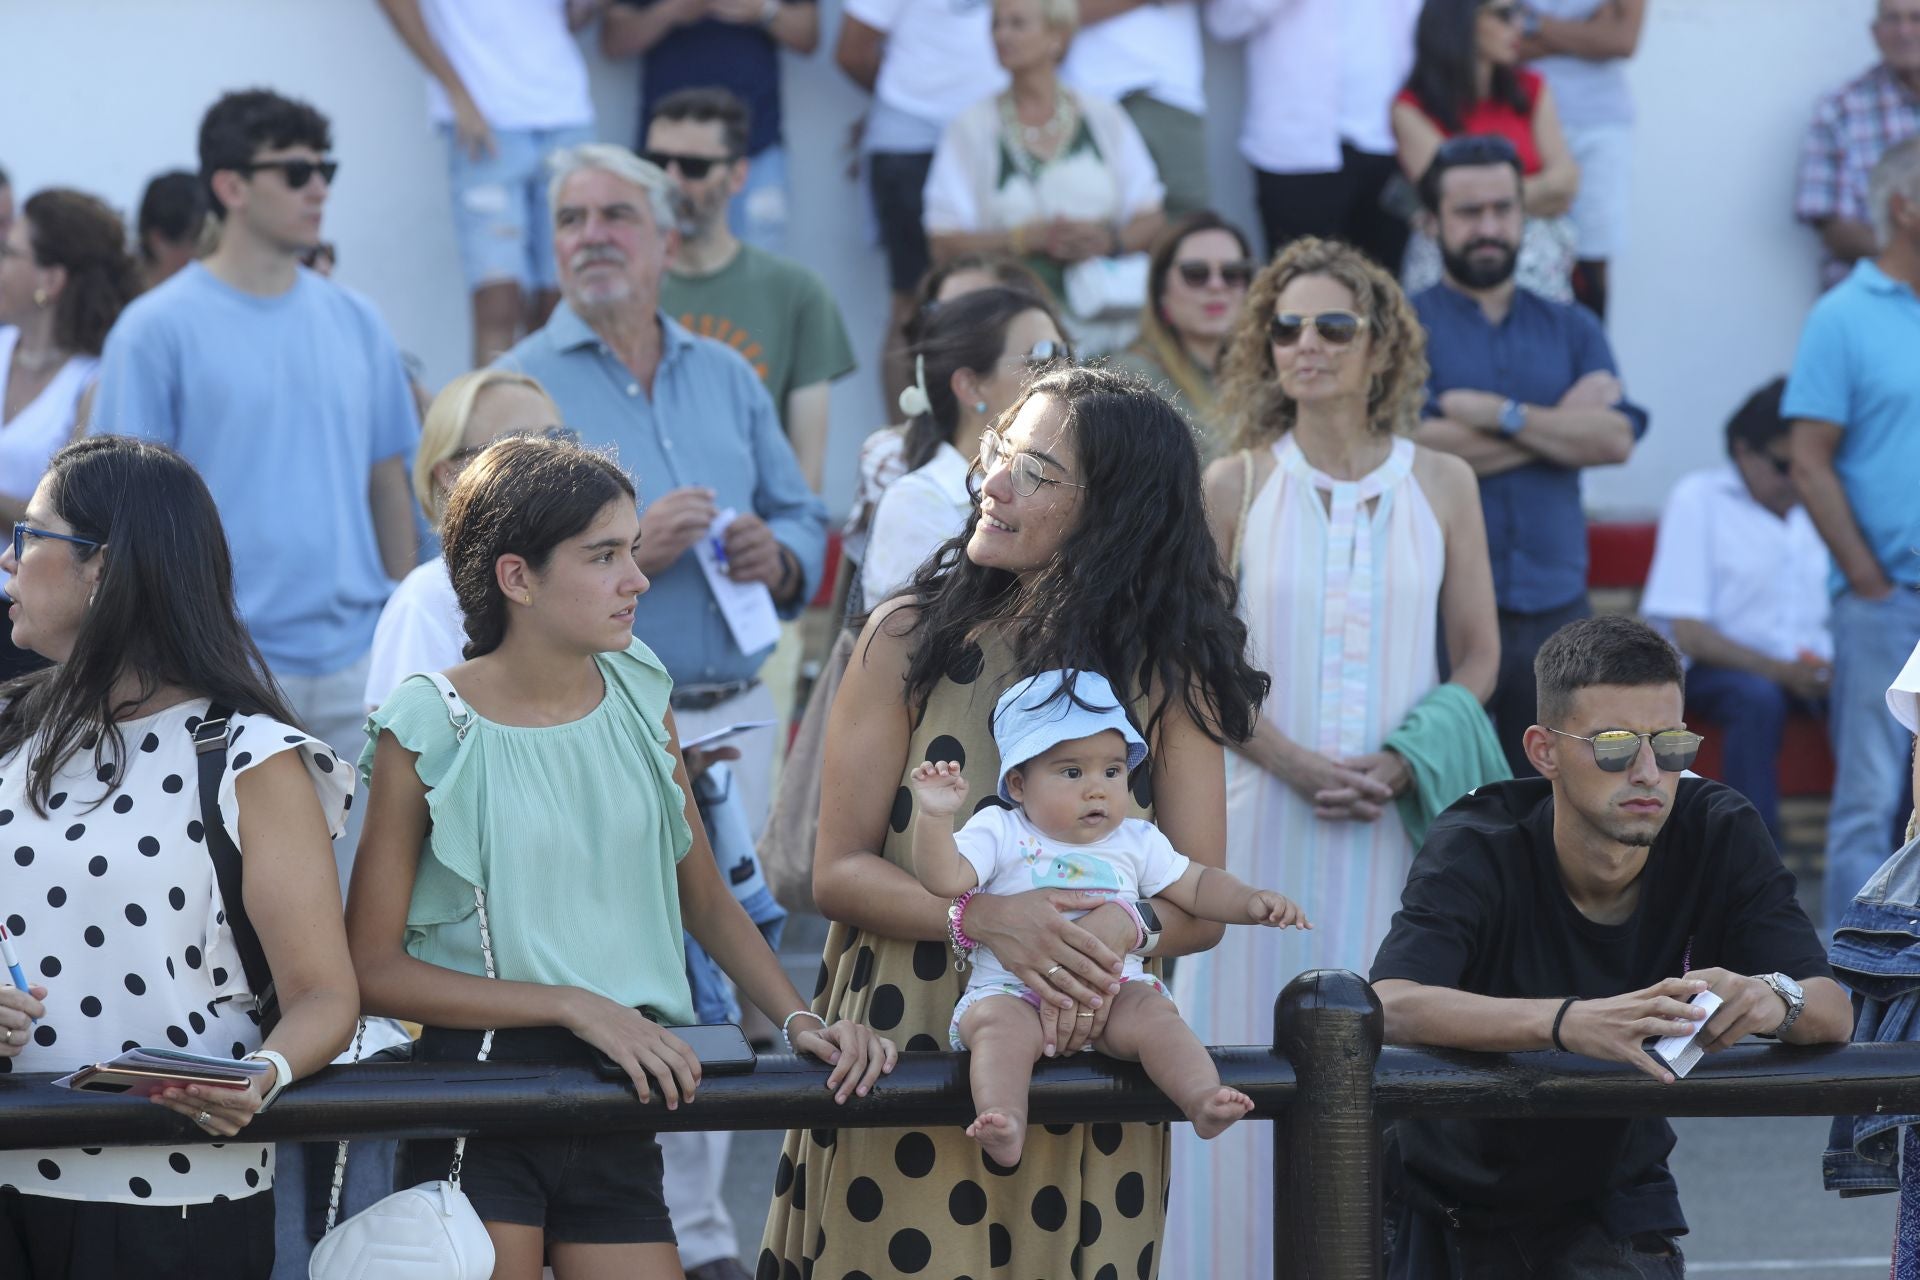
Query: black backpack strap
[[210, 747]]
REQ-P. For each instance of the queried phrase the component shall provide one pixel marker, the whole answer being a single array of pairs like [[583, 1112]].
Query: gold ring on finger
[[1057, 968], [1083, 1015]]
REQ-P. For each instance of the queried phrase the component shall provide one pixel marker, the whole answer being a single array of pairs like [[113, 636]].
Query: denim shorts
[[586, 1189], [500, 216]]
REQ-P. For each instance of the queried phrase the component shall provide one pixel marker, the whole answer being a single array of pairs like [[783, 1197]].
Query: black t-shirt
[[1485, 911], [733, 55]]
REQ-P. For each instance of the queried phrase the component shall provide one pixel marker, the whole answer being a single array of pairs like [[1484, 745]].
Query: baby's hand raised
[[939, 788], [1277, 910]]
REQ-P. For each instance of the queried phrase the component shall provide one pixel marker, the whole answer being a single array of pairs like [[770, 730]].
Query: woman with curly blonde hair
[[1353, 548]]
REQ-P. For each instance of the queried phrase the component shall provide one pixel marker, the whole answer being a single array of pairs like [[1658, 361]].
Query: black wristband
[[1560, 1017]]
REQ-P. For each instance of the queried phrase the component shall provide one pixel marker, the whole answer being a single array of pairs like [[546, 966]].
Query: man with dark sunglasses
[[1584, 910], [774, 311], [1739, 581], [1527, 391]]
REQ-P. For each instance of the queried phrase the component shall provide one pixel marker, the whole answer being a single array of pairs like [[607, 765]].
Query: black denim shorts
[[585, 1189]]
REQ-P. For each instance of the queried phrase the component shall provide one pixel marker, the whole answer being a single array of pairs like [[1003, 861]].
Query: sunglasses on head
[[1335, 327], [1615, 750], [1234, 275], [297, 172], [692, 167], [566, 435]]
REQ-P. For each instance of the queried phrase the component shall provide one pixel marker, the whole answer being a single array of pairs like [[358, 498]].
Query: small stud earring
[[39, 297], [979, 406]]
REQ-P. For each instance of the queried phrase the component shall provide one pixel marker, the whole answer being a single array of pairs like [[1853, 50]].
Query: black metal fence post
[[1326, 1153]]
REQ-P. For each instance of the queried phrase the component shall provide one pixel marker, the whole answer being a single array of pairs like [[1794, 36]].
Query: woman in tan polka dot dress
[[1087, 548]]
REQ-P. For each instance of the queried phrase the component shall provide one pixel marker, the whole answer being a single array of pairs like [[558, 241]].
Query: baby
[[1065, 753]]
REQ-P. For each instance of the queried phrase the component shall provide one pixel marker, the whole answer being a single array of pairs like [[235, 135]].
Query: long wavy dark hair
[[163, 611], [1446, 48], [1136, 590]]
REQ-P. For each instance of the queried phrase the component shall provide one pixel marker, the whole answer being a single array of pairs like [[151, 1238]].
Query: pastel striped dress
[[1340, 588]]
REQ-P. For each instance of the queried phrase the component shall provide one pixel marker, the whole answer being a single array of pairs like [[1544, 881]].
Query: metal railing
[[1325, 1085]]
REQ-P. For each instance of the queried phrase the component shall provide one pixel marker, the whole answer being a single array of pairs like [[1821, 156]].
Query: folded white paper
[[746, 606]]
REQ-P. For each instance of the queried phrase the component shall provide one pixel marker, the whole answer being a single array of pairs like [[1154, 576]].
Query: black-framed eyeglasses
[[1476, 148], [566, 435], [298, 173], [22, 531], [1025, 469], [1196, 273], [1615, 750], [691, 167], [1335, 327]]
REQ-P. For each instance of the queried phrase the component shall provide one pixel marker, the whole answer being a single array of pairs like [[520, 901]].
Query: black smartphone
[[721, 1047]]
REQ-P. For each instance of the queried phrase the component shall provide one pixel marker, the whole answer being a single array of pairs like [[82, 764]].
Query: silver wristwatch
[[1789, 990]]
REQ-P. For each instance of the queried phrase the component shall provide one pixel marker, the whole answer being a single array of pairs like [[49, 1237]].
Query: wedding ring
[[1083, 1015], [203, 1119], [10, 1034], [1057, 968]]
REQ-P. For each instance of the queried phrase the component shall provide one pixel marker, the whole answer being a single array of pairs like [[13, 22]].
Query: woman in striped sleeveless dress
[[1351, 544]]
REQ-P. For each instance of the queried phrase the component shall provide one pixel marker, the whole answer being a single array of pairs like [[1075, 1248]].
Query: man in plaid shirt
[[1851, 130]]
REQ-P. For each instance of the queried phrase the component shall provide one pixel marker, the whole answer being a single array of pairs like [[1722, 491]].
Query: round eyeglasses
[[1028, 471]]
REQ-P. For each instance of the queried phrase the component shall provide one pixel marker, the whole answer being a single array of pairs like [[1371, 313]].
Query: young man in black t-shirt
[[1583, 910]]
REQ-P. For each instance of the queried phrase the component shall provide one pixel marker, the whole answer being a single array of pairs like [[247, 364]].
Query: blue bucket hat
[[1033, 717]]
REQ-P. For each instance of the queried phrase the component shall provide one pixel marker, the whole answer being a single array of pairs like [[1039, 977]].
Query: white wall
[[99, 94]]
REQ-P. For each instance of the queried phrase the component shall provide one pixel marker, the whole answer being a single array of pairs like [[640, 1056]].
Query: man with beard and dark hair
[[770, 309], [1527, 392], [1583, 911]]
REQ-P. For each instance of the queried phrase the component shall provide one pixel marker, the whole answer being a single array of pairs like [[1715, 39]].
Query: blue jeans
[[501, 222], [1872, 640], [758, 214], [1751, 712]]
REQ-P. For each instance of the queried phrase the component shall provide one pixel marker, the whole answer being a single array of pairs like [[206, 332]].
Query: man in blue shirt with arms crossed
[[1527, 392], [699, 434]]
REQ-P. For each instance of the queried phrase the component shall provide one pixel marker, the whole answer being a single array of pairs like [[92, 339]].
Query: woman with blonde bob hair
[[1356, 551], [420, 628]]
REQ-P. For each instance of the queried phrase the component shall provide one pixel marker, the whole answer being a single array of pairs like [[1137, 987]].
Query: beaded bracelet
[[787, 1035], [963, 946]]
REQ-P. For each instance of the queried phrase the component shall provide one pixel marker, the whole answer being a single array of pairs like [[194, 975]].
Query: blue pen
[[13, 963], [719, 552]]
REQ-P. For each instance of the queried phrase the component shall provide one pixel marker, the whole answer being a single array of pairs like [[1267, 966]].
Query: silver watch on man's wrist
[[1790, 991]]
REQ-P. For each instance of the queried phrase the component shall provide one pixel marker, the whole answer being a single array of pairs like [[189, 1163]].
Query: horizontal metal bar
[[1745, 1080], [513, 1099]]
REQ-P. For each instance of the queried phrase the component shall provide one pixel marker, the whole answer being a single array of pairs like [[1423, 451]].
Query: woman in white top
[[65, 274], [973, 359], [420, 627], [122, 580], [1050, 175]]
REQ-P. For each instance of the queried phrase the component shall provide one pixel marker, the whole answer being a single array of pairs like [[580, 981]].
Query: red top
[[1498, 118]]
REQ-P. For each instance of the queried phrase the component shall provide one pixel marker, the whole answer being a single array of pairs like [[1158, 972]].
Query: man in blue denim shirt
[[1527, 392], [697, 431]]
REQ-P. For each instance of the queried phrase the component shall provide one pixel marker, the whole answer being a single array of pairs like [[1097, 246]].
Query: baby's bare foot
[[1212, 1113], [1001, 1135]]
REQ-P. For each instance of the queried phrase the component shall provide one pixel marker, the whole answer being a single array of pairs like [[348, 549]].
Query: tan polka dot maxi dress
[[1085, 1201]]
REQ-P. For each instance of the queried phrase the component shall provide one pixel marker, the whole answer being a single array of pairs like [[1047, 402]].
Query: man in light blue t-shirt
[[287, 393], [1855, 400]]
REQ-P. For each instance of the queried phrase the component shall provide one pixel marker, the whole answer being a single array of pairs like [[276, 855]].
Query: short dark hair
[[522, 496], [1758, 422], [244, 123], [710, 105], [77, 231], [174, 206], [1468, 151], [1609, 649]]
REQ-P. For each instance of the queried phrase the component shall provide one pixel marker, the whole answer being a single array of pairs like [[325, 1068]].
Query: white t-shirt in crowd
[[1587, 91], [33, 435], [1154, 48], [917, 513], [1723, 559], [420, 629], [1319, 72], [520, 64], [1011, 855], [115, 909], [938, 60]]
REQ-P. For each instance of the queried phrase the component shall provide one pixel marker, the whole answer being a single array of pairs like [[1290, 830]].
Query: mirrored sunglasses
[[1615, 750], [1335, 327]]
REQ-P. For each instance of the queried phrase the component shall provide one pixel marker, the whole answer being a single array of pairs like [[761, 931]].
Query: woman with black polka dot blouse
[[1087, 548], [121, 578]]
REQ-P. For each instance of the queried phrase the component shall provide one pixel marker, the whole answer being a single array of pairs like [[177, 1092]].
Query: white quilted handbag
[[428, 1232]]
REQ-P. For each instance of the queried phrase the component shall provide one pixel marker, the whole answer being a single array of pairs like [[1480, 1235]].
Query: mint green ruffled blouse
[[573, 830]]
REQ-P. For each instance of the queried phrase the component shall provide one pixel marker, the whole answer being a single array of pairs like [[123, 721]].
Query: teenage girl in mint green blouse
[[545, 771]]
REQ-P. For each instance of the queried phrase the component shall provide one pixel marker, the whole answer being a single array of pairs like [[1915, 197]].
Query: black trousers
[[42, 1238], [1512, 704], [1343, 205]]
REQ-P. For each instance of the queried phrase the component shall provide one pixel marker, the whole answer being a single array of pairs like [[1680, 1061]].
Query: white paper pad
[[747, 606], [1680, 1053]]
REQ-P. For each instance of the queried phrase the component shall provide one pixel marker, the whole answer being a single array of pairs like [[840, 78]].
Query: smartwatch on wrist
[[1149, 927], [282, 1074]]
